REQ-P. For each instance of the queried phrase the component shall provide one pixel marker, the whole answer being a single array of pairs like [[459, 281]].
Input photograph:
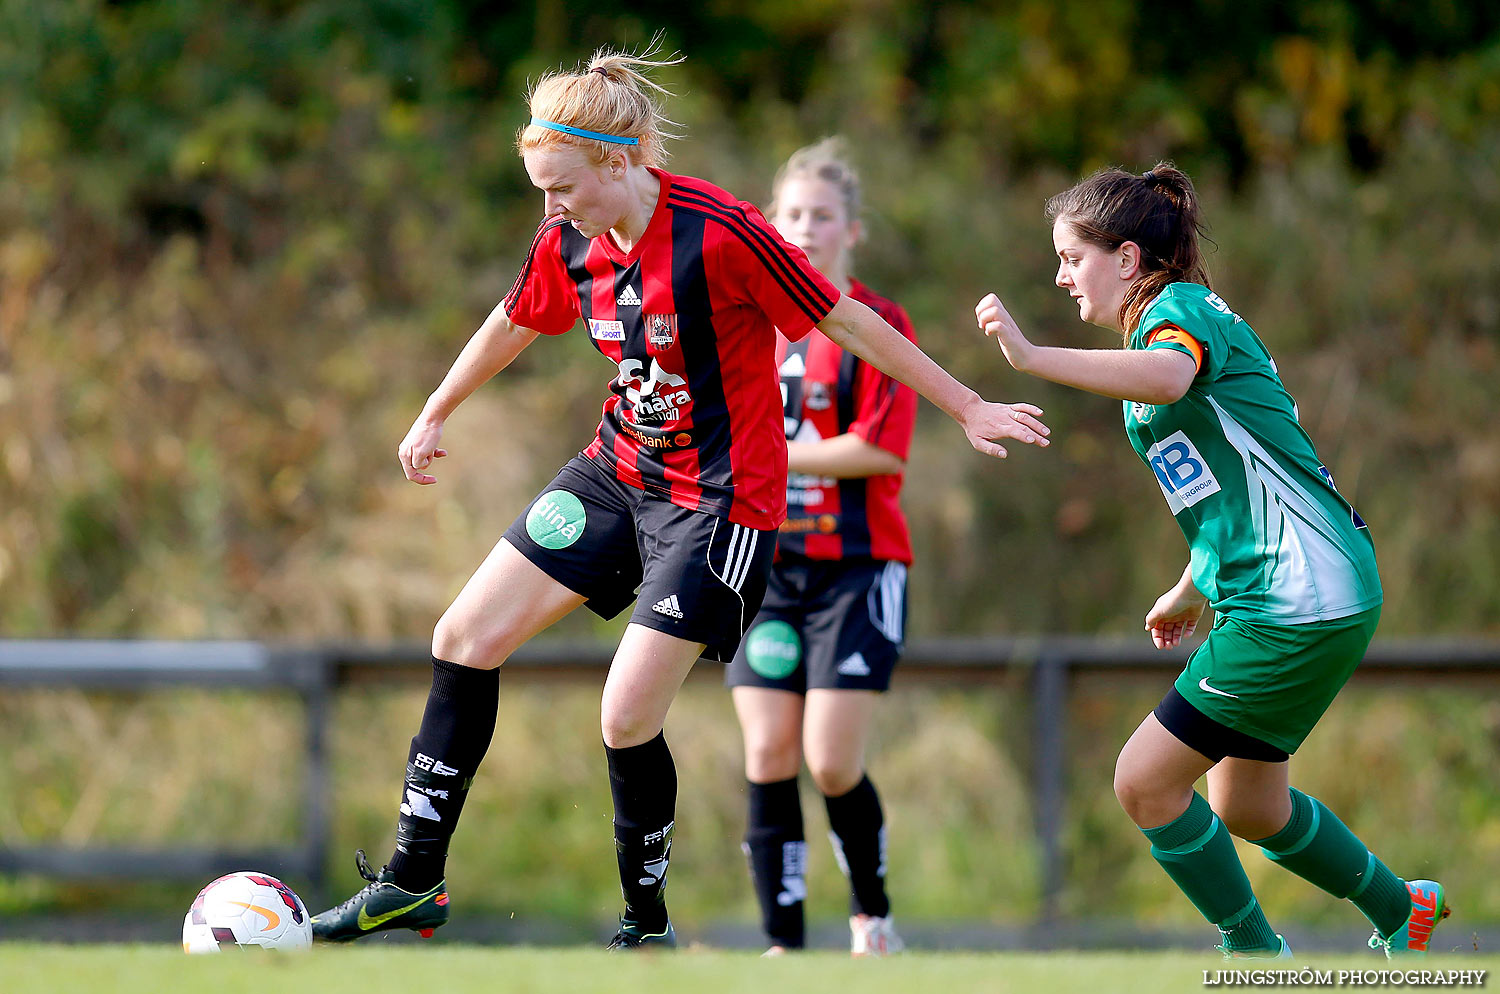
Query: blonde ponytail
[[612, 97]]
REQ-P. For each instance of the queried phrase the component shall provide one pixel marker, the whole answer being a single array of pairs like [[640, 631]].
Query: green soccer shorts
[[1273, 682]]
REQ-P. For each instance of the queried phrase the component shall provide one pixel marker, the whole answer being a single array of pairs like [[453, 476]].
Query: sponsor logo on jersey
[[664, 408], [628, 297], [654, 439], [1217, 303], [607, 331], [806, 489], [668, 606], [1181, 471], [661, 331], [804, 496], [655, 393], [825, 524]]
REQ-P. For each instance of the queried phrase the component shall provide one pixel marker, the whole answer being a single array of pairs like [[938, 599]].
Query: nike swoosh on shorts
[[1203, 686]]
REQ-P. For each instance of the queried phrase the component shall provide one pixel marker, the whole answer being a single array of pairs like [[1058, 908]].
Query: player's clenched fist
[[418, 450]]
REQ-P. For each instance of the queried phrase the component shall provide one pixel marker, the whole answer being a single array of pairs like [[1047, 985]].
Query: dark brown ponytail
[[1157, 210]]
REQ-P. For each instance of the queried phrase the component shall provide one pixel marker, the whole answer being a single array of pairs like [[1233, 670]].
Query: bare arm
[[843, 457], [1156, 376], [490, 349], [1176, 613], [857, 329]]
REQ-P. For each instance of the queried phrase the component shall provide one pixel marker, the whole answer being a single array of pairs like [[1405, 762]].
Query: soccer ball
[[246, 909]]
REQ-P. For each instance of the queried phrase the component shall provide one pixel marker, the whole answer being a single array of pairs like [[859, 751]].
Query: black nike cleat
[[380, 905], [633, 936]]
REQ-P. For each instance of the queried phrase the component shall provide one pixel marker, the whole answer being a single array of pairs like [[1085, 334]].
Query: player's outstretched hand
[[996, 322], [419, 448], [983, 422], [1174, 617]]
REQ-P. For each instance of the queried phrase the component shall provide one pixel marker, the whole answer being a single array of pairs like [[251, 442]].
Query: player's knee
[[623, 729], [769, 759], [1135, 794], [1249, 821], [834, 778], [470, 645]]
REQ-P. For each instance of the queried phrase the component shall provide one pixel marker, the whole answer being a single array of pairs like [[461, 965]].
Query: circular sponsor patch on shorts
[[556, 520], [773, 650]]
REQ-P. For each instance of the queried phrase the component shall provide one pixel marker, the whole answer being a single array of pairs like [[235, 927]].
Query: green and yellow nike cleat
[[380, 905], [1429, 906], [634, 936]]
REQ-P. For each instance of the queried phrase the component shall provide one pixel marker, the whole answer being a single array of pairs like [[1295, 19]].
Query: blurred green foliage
[[240, 242]]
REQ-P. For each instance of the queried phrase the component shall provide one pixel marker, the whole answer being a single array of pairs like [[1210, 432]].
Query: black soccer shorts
[[692, 575], [825, 625]]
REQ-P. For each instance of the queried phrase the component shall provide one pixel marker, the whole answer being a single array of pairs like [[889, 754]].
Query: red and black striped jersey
[[689, 316], [827, 392]]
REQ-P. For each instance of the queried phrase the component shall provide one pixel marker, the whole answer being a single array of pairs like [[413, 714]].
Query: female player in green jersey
[[1286, 563]]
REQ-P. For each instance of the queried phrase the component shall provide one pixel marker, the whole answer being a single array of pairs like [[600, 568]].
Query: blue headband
[[568, 129]]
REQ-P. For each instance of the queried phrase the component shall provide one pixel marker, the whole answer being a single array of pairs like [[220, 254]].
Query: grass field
[[143, 969]]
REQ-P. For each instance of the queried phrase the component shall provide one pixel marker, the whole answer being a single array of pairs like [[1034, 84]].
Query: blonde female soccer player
[[673, 505], [808, 675], [1284, 560]]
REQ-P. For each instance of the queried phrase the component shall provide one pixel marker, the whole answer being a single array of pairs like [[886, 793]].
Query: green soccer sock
[[1317, 847], [1198, 854]]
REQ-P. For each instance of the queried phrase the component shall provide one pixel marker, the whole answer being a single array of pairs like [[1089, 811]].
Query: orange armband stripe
[[1170, 333]]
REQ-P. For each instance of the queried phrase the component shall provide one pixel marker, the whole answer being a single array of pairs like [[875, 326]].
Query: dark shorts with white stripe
[[692, 575], [825, 625]]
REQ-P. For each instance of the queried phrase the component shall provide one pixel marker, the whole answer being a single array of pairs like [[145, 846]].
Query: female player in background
[[681, 286], [807, 676], [1286, 563]]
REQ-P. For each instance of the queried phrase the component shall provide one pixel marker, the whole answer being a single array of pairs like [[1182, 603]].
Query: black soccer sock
[[643, 780], [858, 834], [777, 850], [457, 726]]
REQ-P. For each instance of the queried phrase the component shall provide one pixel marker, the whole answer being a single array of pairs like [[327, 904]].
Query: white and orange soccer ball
[[246, 909]]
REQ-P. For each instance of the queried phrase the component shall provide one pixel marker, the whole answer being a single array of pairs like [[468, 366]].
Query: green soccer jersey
[[1271, 540]]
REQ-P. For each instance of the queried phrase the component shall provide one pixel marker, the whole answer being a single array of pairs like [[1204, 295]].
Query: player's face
[[575, 187], [1094, 276], [810, 214]]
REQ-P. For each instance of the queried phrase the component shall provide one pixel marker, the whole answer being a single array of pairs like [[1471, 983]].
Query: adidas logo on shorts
[[628, 297], [855, 665], [668, 606]]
